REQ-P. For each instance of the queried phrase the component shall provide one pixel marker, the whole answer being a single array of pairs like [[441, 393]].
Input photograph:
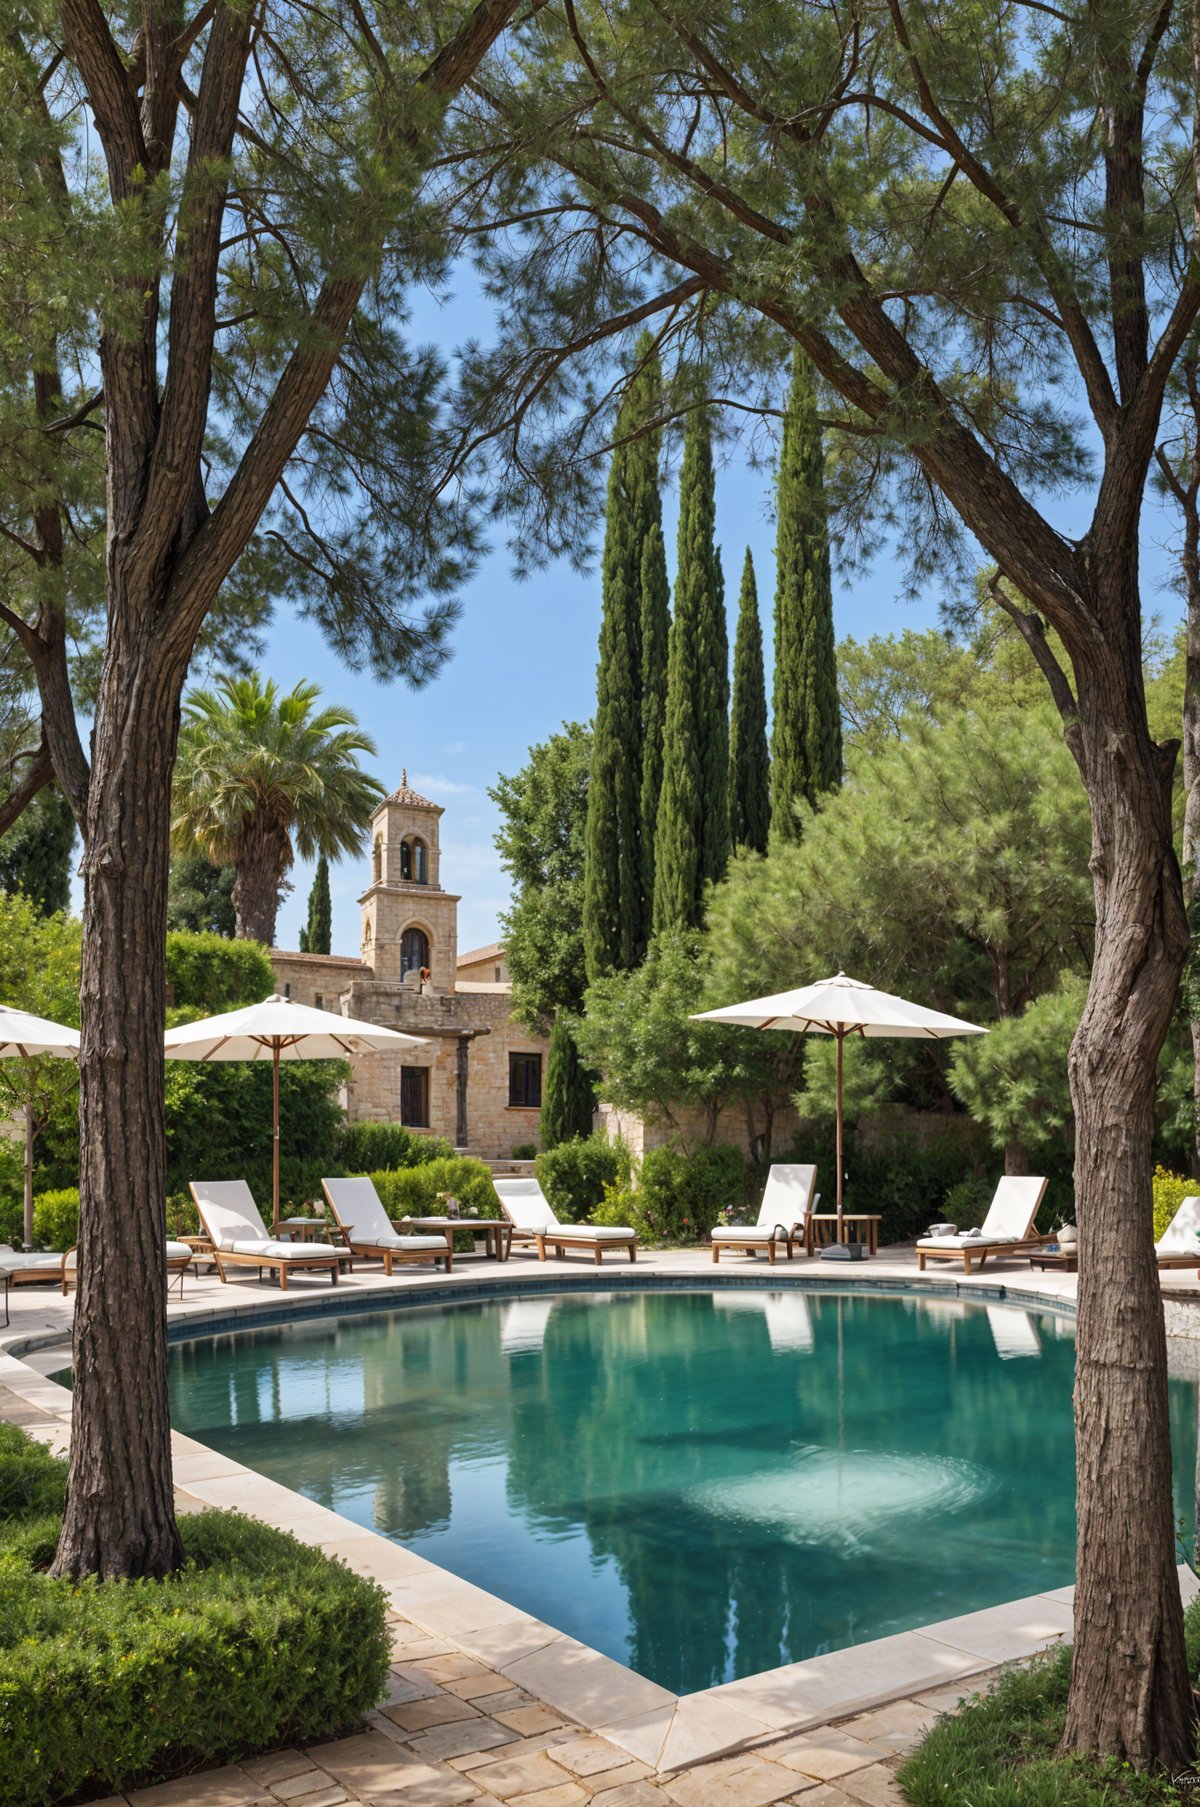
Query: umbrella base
[[843, 1251]]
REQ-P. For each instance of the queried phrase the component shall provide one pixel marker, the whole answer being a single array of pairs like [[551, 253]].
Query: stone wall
[[690, 1127]]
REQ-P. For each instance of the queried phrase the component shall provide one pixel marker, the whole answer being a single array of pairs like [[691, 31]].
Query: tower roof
[[404, 794]]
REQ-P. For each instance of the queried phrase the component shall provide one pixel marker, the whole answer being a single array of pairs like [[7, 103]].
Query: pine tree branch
[[39, 775]]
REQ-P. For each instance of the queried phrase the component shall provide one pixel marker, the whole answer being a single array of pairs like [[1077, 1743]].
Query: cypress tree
[[656, 628], [35, 854], [569, 1099], [614, 907], [749, 771], [692, 839], [317, 937], [806, 741]]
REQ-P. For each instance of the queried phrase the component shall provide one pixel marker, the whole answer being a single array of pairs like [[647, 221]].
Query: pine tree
[[317, 936], [656, 628], [806, 741], [749, 767], [569, 1098], [692, 838], [615, 911]]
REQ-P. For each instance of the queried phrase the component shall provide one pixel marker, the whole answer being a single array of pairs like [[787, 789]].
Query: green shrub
[[678, 1197], [56, 1218], [575, 1175], [208, 973], [967, 1201], [257, 1643], [368, 1147], [183, 1219], [1170, 1190], [218, 1120], [414, 1190], [525, 1151], [12, 1191]]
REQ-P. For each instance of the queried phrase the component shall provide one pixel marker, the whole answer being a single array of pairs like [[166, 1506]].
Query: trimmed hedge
[[368, 1147], [56, 1218], [414, 1190], [575, 1176], [259, 1642]]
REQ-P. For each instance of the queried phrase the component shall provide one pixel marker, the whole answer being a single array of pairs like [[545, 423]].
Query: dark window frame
[[410, 963], [525, 1082], [414, 1097]]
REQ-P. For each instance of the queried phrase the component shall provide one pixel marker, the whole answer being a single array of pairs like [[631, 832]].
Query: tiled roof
[[494, 951], [404, 793]]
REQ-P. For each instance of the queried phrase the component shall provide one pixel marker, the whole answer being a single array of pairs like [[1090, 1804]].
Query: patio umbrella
[[22, 1037], [278, 1030], [841, 1007]]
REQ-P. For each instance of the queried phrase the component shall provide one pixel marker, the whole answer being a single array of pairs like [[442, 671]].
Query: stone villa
[[478, 1079]]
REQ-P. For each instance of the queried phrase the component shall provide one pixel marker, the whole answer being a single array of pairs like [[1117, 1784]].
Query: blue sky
[[524, 661]]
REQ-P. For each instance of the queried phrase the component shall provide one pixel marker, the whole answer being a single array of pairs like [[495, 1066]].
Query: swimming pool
[[701, 1485]]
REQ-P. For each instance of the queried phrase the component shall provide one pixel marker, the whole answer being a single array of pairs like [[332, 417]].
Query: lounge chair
[[527, 1209], [786, 1202], [1179, 1244], [1006, 1230], [369, 1231], [239, 1236], [179, 1258], [28, 1266]]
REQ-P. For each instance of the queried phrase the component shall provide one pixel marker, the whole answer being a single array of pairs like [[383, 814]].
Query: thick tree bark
[[264, 855], [1130, 1696], [120, 1509]]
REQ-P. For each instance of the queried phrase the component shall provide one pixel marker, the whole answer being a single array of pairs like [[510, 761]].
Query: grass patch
[[1000, 1749], [258, 1642]]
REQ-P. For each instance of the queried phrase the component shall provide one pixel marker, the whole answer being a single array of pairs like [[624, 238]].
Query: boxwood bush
[[413, 1190], [257, 1643], [576, 1175], [364, 1147]]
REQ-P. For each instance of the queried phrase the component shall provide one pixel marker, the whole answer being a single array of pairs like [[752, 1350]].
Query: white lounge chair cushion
[[358, 1207], [27, 1260], [591, 1232], [178, 1251], [1182, 1234], [270, 1250], [750, 1232], [788, 1195], [229, 1213], [965, 1240], [436, 1245], [1009, 1217]]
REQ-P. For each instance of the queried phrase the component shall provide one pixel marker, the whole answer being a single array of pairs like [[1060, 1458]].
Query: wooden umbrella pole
[[840, 1040], [275, 1138]]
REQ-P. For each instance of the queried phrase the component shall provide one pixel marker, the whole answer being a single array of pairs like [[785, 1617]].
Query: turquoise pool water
[[701, 1485]]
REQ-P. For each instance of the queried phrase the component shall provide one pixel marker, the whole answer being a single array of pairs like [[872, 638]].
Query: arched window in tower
[[377, 859], [413, 867], [414, 951]]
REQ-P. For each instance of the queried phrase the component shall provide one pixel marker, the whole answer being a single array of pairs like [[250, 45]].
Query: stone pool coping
[[667, 1731]]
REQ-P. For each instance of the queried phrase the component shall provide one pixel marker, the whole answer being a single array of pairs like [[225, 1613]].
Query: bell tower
[[409, 924]]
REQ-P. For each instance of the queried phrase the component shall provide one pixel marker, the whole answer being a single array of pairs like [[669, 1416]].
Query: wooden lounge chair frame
[[369, 1250], [299, 1263], [176, 1264], [1020, 1246]]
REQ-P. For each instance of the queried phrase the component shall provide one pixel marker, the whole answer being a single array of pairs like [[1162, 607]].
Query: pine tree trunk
[[120, 1517], [1129, 1692]]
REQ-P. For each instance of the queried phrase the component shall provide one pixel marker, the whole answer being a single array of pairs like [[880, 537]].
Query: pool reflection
[[702, 1486]]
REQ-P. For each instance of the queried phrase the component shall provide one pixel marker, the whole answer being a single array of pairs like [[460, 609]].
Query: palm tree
[[261, 777]]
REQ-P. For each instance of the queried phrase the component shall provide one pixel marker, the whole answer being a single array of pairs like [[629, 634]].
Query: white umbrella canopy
[[22, 1036], [275, 1030], [840, 1007], [26, 1037]]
